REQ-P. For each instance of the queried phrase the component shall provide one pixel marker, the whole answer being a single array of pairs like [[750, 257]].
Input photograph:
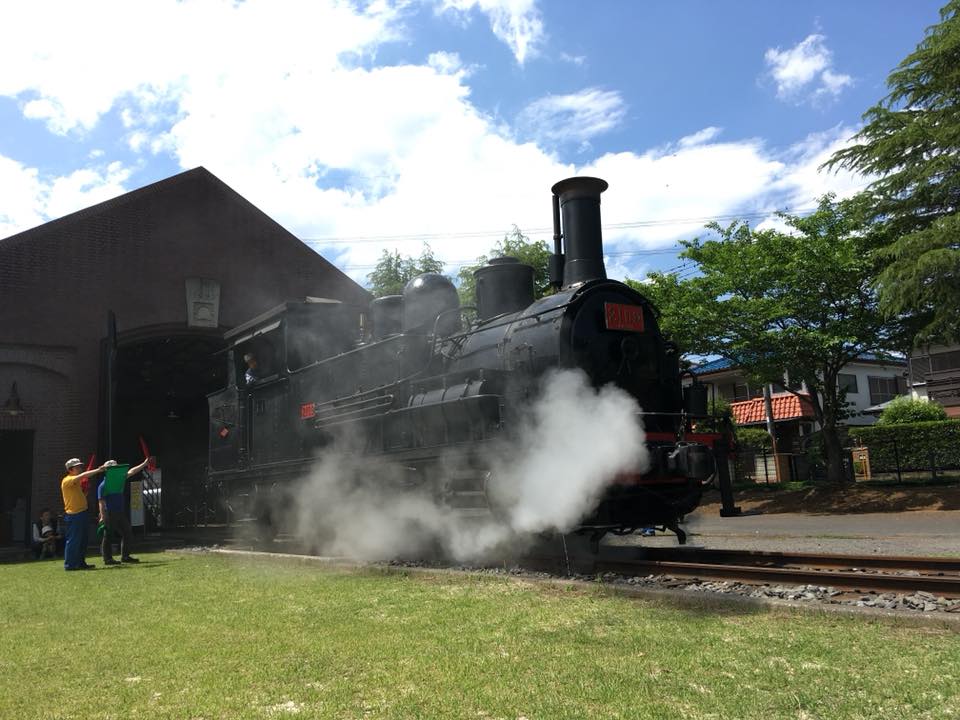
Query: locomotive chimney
[[579, 200]]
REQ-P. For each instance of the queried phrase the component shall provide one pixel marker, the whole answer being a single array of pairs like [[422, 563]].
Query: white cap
[[73, 462], [110, 463]]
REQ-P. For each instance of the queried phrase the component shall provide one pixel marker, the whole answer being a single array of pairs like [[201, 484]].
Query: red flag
[[152, 464], [85, 482]]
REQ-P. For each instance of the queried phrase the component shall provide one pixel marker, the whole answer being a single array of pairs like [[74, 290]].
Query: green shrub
[[917, 445], [756, 438], [904, 410], [721, 418]]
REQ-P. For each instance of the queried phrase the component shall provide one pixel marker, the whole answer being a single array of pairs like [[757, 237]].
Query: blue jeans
[[76, 548]]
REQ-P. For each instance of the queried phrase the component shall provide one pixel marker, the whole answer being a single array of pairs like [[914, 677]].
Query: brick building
[[178, 263]]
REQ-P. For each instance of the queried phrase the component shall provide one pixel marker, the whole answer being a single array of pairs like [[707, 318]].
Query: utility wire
[[359, 239], [461, 263]]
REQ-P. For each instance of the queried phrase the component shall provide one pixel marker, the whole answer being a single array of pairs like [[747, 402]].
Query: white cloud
[[30, 199], [675, 191], [802, 181], [804, 72], [515, 22], [445, 62], [834, 83], [700, 137], [94, 58], [280, 123], [576, 117]]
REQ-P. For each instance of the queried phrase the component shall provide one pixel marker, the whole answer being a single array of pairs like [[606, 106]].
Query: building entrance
[[160, 401], [16, 484]]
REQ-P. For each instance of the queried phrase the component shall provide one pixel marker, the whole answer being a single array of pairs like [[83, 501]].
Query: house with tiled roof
[[870, 381]]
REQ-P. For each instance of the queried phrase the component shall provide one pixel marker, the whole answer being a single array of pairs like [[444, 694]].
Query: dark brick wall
[[133, 255]]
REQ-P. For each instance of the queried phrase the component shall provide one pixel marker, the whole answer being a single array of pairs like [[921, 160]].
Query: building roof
[[197, 177], [720, 364], [712, 366], [786, 406]]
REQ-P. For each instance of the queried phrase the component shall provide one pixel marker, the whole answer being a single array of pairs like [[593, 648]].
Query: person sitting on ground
[[46, 537], [75, 514], [114, 518]]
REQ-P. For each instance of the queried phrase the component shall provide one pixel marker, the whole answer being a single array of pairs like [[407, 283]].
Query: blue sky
[[365, 126]]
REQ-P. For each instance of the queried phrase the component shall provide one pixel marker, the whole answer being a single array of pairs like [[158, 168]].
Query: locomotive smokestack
[[579, 199]]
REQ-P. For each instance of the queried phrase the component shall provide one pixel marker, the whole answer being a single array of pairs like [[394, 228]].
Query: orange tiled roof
[[786, 406]]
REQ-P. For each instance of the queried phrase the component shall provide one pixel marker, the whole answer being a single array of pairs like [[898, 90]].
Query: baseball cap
[[73, 462]]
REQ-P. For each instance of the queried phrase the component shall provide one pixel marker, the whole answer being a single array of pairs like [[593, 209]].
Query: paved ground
[[904, 533]]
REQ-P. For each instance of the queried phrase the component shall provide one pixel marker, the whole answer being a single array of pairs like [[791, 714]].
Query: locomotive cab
[[249, 422]]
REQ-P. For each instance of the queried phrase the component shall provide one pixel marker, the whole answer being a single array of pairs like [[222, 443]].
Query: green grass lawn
[[208, 636]]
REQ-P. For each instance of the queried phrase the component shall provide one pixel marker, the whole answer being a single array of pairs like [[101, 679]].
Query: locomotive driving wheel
[[464, 490]]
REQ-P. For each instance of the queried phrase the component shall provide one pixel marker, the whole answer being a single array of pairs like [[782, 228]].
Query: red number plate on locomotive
[[623, 317]]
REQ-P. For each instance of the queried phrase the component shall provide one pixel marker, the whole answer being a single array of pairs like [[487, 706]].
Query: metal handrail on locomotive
[[413, 382]]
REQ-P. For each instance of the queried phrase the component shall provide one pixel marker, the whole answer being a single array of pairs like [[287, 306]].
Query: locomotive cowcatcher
[[424, 384]]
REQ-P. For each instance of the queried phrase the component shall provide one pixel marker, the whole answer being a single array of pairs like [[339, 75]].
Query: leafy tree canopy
[[393, 271], [799, 301], [902, 410], [535, 253], [911, 142]]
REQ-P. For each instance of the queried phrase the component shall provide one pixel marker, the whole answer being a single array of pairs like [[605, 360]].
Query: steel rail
[[718, 566], [782, 559], [942, 585]]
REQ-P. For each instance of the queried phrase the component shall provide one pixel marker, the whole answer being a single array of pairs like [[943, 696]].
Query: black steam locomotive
[[411, 381]]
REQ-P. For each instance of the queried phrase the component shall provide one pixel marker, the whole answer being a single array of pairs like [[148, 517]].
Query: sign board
[[136, 503], [618, 316], [203, 302]]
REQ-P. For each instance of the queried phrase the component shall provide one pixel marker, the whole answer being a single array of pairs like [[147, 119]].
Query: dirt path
[[843, 499]]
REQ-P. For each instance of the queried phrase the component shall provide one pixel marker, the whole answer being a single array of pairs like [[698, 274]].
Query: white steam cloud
[[572, 444]]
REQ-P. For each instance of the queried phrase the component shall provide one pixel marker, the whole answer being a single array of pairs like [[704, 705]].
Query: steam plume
[[568, 448]]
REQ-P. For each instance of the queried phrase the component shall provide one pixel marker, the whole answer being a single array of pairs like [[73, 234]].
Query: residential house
[[869, 381], [935, 374]]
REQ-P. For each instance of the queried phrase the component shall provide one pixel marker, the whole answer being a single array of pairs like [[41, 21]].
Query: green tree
[[535, 253], [904, 409], [393, 271], [800, 302], [911, 141]]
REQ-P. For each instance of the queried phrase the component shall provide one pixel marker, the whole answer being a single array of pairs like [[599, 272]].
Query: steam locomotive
[[415, 381]]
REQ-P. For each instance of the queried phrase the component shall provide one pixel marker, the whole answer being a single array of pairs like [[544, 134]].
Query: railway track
[[940, 576]]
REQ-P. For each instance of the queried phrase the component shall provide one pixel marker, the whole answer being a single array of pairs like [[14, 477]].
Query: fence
[[759, 465], [893, 458], [917, 452]]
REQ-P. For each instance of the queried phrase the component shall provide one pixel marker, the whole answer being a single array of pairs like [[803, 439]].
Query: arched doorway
[[161, 380]]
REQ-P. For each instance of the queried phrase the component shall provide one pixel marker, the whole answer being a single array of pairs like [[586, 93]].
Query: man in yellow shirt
[[75, 507]]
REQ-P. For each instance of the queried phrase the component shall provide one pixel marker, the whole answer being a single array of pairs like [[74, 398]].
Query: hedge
[[918, 445], [755, 438]]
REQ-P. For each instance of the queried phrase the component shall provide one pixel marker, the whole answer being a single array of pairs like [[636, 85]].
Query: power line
[[359, 239], [461, 263]]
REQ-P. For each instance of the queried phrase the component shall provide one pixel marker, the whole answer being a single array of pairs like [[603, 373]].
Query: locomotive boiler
[[419, 382]]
